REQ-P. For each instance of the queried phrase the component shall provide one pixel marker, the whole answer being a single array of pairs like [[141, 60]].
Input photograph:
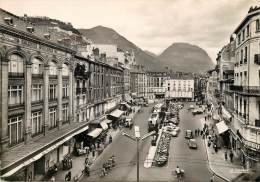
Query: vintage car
[[192, 144], [188, 134]]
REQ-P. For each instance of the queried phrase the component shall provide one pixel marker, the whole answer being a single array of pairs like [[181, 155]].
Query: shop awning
[[127, 105], [226, 114], [222, 127], [38, 156], [95, 133], [108, 121], [116, 113], [104, 125]]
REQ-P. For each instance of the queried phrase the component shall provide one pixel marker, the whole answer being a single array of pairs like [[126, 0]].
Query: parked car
[[174, 120], [192, 144], [188, 134], [191, 107], [197, 111], [173, 127], [171, 131]]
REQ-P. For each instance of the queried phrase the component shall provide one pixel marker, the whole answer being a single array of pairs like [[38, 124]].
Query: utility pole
[[137, 138]]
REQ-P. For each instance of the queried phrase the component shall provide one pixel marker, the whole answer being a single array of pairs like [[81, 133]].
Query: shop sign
[[252, 145]]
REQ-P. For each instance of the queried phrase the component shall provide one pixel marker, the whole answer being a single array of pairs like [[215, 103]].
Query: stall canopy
[[127, 105], [104, 125], [116, 113], [95, 133], [222, 127], [226, 114]]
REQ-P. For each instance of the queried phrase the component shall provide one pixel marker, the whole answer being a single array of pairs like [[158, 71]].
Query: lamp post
[[137, 138]]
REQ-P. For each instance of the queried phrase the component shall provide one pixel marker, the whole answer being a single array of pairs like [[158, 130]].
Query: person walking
[[231, 155], [68, 176], [225, 155], [212, 179]]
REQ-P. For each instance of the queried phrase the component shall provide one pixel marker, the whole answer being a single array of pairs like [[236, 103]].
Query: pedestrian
[[231, 155], [201, 132], [205, 118], [68, 176], [195, 132], [212, 179], [225, 155], [93, 153]]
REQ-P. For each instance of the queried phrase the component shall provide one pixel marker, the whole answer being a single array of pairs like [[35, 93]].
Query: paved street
[[194, 162]]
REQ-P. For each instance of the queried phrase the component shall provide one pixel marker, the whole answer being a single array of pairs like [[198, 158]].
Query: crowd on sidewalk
[[82, 164], [222, 160]]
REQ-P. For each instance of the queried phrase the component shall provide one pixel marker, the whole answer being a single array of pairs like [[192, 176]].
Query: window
[[243, 35], [15, 129], [52, 92], [65, 90], [53, 68], [15, 65], [257, 25], [15, 94], [245, 60], [247, 30], [52, 117], [36, 92], [241, 58], [239, 38], [37, 66], [36, 122], [65, 116], [257, 123]]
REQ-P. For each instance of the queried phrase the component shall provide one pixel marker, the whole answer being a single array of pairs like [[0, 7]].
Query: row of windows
[[15, 124], [16, 93], [241, 78], [245, 32], [16, 65]]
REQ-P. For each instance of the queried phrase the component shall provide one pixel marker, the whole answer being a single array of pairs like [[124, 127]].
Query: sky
[[152, 25]]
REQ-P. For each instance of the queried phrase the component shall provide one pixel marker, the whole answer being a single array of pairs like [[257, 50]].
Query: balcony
[[257, 59], [246, 90], [15, 75], [78, 91], [84, 90], [37, 76], [53, 76]]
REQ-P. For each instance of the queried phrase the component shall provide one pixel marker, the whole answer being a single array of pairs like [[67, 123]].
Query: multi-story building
[[212, 84], [156, 84], [246, 127], [180, 87], [49, 92], [138, 81]]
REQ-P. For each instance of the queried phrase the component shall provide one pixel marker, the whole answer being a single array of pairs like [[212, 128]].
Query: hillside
[[104, 35], [186, 58]]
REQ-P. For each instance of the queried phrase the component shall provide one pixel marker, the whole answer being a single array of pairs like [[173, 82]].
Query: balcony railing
[[15, 75], [84, 90], [248, 90], [37, 76], [53, 76], [78, 91], [257, 59]]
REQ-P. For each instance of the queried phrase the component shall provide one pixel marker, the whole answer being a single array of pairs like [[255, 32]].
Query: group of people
[[107, 166], [231, 156]]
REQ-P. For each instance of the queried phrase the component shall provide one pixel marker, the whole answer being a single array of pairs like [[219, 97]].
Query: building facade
[[51, 89], [156, 84], [179, 88], [246, 130]]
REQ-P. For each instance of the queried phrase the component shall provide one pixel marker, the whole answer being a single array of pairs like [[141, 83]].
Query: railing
[[84, 90], [15, 75], [37, 75], [257, 59], [78, 91], [250, 90], [53, 76]]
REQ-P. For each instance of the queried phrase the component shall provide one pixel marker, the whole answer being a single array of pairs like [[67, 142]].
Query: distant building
[[156, 84], [180, 87]]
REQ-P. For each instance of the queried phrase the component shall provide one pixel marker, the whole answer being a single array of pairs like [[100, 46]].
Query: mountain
[[186, 58], [150, 53], [104, 35]]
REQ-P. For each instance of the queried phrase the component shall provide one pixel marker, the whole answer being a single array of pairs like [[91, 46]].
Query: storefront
[[222, 130], [116, 117]]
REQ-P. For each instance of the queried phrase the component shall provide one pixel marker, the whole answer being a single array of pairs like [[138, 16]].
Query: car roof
[[193, 140]]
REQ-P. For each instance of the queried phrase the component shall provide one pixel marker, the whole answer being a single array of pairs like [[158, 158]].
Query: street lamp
[[137, 138]]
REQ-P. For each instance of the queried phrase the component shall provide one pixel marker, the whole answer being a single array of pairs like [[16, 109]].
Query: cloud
[[153, 25]]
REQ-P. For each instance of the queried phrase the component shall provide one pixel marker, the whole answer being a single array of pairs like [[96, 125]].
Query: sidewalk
[[217, 163], [79, 161]]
